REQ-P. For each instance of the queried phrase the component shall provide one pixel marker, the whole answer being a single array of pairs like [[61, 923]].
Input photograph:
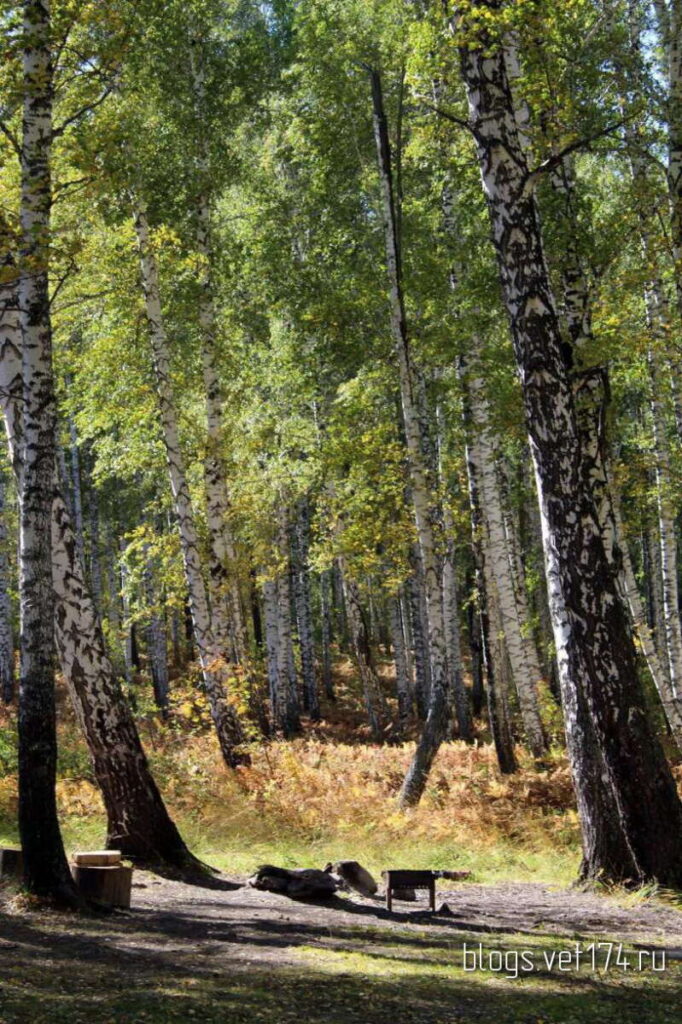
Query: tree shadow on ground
[[139, 967]]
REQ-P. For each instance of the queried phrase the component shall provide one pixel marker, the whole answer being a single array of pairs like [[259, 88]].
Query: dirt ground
[[226, 952]]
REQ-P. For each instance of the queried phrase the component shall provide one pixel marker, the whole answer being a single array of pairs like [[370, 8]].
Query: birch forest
[[340, 509]]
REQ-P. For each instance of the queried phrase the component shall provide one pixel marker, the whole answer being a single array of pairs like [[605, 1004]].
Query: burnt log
[[297, 884]]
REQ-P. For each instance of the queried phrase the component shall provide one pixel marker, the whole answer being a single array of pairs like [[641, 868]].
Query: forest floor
[[226, 952]]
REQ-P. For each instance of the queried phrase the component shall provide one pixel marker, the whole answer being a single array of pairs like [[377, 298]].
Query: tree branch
[[9, 134], [557, 158], [85, 109], [460, 121]]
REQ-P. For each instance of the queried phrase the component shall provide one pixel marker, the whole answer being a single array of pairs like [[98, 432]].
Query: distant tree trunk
[[288, 708], [76, 490], [630, 812], [211, 653], [128, 654], [419, 633], [499, 681], [7, 672], [95, 554], [304, 619], [46, 871], [493, 649], [525, 669], [375, 704], [325, 621], [271, 610], [459, 696], [400, 659], [156, 641]]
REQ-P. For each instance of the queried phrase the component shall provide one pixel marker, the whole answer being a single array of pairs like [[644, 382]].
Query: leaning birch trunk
[[592, 393], [45, 868], [6, 642], [630, 812], [138, 823], [226, 603], [525, 668], [212, 656]]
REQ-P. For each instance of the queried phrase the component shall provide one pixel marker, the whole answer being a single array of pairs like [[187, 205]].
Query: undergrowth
[[328, 795]]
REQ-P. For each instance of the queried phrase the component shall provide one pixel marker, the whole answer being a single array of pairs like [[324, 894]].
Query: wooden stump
[[97, 858], [108, 885], [11, 862]]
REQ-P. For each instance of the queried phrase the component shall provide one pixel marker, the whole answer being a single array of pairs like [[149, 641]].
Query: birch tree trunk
[[375, 705], [76, 490], [7, 672], [304, 619], [492, 637], [156, 641], [419, 633], [325, 618], [226, 603], [630, 812], [458, 693], [402, 681], [211, 654], [523, 659], [669, 20], [270, 608], [138, 823], [46, 871]]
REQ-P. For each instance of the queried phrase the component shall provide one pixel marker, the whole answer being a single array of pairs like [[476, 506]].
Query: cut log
[[97, 858], [352, 875], [297, 884], [109, 885], [11, 862]]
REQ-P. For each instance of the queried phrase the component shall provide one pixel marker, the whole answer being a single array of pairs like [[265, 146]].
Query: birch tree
[[594, 648], [211, 654]]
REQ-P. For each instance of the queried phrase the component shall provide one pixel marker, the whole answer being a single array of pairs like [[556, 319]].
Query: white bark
[[525, 668], [212, 655]]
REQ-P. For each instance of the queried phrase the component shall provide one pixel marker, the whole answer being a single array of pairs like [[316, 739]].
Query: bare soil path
[[226, 952]]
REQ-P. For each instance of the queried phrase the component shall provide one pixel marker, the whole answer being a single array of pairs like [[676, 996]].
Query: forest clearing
[[340, 590]]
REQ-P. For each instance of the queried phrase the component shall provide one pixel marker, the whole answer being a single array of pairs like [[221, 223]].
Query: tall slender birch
[[226, 603], [631, 815], [211, 654], [46, 871], [435, 726], [525, 668]]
